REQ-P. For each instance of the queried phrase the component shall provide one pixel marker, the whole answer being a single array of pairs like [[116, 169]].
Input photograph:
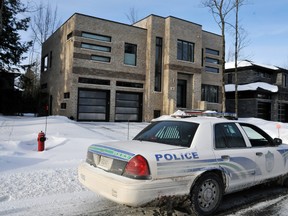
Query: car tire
[[206, 194]]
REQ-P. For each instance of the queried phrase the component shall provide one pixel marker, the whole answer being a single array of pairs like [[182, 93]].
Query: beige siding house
[[99, 70]]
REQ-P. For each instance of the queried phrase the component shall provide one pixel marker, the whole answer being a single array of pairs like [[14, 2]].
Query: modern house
[[262, 90], [100, 70]]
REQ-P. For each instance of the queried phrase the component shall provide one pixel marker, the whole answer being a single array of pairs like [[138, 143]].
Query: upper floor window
[[100, 58], [67, 95], [211, 51], [96, 47], [96, 37], [158, 65], [185, 51], [285, 80], [45, 63], [212, 69], [212, 60], [264, 74], [130, 54]]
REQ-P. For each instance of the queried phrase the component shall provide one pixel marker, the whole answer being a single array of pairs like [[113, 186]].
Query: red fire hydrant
[[41, 141]]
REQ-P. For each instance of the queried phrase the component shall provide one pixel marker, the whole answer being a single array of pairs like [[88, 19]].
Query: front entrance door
[[181, 93]]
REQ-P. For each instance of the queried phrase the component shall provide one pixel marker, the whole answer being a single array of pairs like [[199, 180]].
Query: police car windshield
[[176, 133]]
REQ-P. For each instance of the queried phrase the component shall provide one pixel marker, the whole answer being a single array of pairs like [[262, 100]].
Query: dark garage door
[[93, 105], [128, 106]]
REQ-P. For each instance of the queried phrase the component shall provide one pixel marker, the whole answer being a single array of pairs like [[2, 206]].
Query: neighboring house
[[99, 70], [262, 90], [10, 97]]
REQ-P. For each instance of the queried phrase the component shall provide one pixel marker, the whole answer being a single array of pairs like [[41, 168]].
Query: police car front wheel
[[206, 194]]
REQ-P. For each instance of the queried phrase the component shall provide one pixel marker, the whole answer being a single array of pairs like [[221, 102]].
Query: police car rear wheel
[[206, 194]]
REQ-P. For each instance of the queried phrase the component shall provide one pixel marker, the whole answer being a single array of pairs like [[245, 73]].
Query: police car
[[200, 158]]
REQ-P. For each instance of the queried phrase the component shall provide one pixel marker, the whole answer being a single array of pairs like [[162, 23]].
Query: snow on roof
[[245, 63], [252, 87]]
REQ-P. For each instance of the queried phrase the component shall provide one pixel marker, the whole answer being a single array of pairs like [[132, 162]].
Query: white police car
[[200, 158]]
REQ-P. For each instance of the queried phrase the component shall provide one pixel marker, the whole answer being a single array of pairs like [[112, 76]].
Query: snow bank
[[252, 87]]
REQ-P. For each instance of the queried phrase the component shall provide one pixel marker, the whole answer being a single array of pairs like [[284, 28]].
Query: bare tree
[[220, 10], [45, 22], [132, 16]]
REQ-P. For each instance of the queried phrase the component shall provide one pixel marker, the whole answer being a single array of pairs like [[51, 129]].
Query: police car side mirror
[[277, 141]]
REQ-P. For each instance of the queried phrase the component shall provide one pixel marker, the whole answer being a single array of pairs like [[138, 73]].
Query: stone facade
[[75, 66]]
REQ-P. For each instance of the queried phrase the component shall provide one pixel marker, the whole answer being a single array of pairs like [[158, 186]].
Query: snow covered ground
[[45, 183]]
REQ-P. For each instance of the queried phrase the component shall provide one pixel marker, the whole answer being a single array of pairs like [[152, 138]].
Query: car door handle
[[225, 157], [259, 154]]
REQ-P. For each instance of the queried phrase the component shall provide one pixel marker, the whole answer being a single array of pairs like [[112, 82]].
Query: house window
[[93, 81], [285, 80], [230, 78], [212, 60], [100, 58], [96, 47], [212, 69], [210, 93], [129, 84], [96, 37], [44, 86], [63, 105], [185, 51], [211, 51], [67, 95], [45, 63], [50, 59], [69, 35], [158, 65], [130, 54]]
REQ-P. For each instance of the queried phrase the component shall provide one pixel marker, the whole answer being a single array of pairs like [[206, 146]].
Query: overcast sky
[[265, 21]]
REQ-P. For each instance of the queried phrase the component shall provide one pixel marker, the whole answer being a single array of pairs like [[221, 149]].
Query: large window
[[210, 93], [158, 64], [130, 54], [185, 51]]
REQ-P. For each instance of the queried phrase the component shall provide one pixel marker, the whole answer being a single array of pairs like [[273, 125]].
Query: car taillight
[[138, 168]]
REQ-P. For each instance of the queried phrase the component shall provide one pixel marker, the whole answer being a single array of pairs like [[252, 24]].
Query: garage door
[[128, 106], [93, 105]]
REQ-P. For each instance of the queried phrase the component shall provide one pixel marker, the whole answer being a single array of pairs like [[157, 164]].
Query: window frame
[[210, 69], [95, 47], [207, 91], [185, 53], [228, 137], [97, 37], [100, 58], [259, 131], [128, 54], [212, 51]]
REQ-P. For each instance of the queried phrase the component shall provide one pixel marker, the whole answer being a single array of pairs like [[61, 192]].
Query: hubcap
[[207, 196]]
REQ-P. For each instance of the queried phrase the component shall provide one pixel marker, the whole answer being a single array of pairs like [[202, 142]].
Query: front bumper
[[128, 191]]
